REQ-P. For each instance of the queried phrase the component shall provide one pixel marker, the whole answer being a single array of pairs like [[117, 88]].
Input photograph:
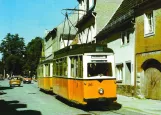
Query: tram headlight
[[101, 91]]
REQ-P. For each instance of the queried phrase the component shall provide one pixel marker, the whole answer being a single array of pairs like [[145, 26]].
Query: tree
[[1, 67], [33, 53], [13, 50]]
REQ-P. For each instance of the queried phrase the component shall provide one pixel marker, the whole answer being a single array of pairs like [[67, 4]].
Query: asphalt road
[[29, 100]]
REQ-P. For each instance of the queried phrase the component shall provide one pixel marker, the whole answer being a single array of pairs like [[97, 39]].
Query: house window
[[125, 37], [119, 72], [148, 24], [91, 4]]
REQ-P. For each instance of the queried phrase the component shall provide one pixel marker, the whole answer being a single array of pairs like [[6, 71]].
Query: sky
[[30, 18]]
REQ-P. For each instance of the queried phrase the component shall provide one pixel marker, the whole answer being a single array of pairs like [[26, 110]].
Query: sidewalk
[[146, 106]]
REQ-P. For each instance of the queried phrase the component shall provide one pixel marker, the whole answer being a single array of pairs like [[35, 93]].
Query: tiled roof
[[147, 3], [123, 9], [124, 12]]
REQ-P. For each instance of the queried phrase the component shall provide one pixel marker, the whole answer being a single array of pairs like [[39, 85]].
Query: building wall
[[48, 48], [63, 28], [148, 57], [123, 54], [104, 11], [83, 7], [151, 43], [87, 32], [64, 43]]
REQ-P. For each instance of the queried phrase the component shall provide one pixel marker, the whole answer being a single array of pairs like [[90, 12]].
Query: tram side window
[[80, 67], [60, 67], [76, 66], [54, 68], [64, 67], [73, 67], [99, 69], [46, 70], [57, 67]]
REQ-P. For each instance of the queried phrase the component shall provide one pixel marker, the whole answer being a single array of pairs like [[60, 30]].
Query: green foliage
[[33, 51], [1, 67], [13, 49], [18, 58]]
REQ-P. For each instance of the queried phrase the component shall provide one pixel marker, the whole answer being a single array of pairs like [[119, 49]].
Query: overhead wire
[[66, 15]]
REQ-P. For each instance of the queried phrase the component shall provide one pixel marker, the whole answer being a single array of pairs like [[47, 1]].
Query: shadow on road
[[103, 107], [91, 107], [16, 86], [9, 108], [47, 92], [2, 93], [5, 88]]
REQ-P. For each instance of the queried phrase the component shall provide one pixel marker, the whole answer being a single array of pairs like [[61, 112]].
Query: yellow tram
[[82, 73]]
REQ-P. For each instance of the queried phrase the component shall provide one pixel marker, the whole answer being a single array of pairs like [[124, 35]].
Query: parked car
[[27, 79], [15, 81]]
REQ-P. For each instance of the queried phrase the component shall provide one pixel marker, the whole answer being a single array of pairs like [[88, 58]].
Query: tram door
[[76, 73]]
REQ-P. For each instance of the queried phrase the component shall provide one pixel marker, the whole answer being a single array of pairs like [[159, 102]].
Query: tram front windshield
[[99, 69]]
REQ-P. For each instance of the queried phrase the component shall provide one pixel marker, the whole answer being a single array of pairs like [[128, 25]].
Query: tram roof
[[81, 49]]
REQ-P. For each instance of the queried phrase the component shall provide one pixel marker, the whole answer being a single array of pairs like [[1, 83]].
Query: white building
[[93, 15]]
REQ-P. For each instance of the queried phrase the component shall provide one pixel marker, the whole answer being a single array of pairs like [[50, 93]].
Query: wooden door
[[152, 83]]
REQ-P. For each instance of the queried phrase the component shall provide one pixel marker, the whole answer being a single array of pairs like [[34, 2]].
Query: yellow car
[[15, 81], [27, 79]]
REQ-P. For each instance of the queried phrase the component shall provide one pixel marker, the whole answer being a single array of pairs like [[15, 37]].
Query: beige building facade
[[148, 49]]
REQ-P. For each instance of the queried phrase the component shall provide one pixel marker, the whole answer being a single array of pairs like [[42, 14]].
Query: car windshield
[[99, 69], [27, 77], [15, 78]]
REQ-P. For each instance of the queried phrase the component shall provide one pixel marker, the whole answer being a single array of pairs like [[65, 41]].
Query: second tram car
[[82, 74]]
